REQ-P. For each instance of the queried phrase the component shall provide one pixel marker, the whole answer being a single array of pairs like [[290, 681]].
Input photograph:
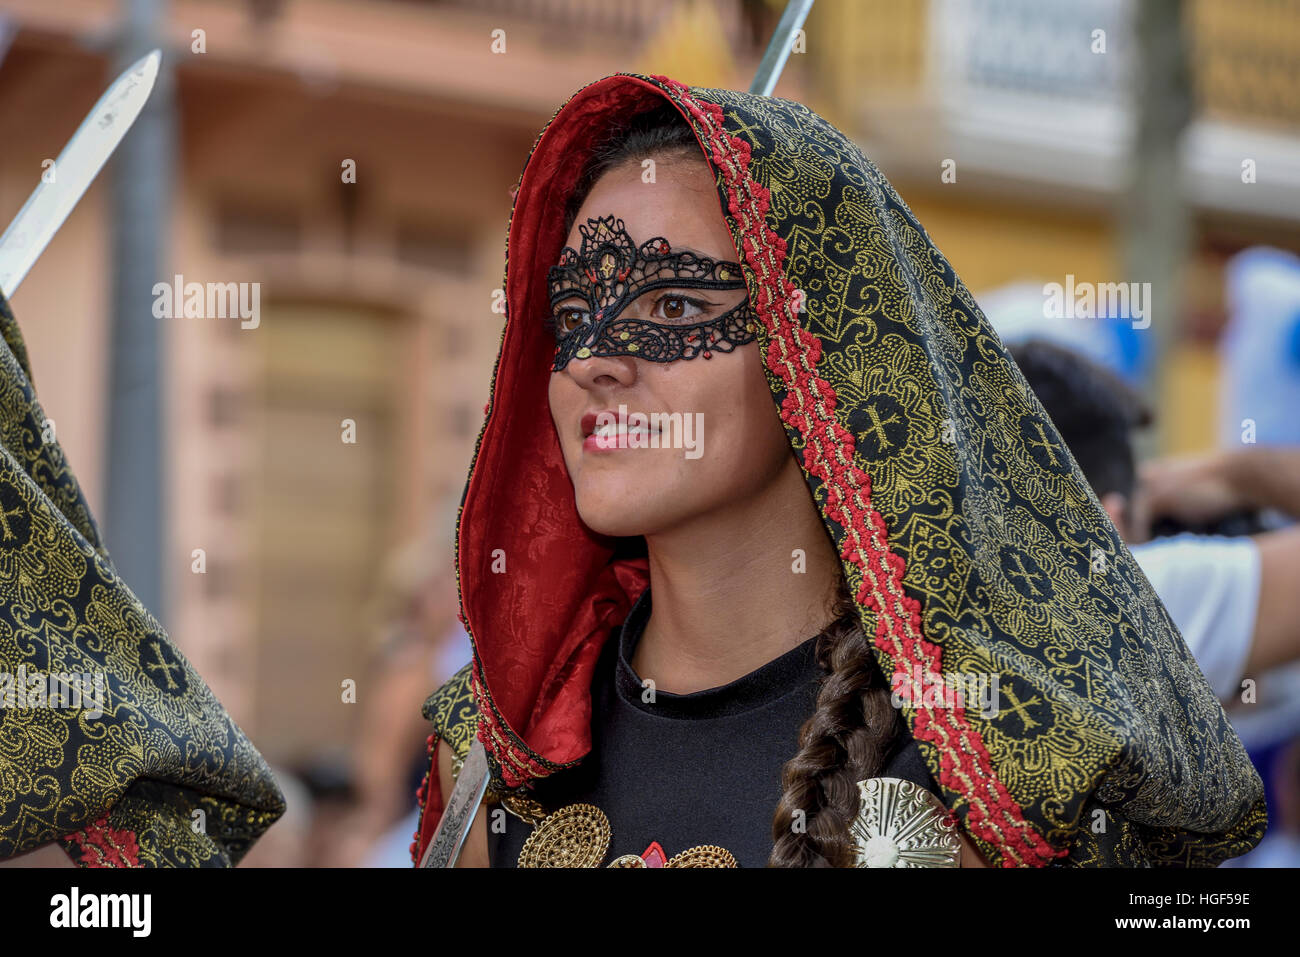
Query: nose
[[597, 371]]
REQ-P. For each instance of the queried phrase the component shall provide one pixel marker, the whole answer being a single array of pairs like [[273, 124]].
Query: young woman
[[838, 595]]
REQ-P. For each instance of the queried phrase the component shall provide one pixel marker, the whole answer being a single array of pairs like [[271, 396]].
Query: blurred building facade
[[377, 295], [1034, 102]]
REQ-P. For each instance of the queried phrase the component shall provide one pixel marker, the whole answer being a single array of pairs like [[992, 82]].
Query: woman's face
[[740, 443]]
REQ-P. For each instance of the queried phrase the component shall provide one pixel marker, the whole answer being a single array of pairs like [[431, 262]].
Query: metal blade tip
[[148, 63]]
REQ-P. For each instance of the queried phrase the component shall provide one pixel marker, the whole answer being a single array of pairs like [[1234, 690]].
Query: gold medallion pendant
[[901, 824], [578, 835]]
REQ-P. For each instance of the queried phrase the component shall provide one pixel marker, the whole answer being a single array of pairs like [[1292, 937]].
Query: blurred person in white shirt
[[1236, 600]]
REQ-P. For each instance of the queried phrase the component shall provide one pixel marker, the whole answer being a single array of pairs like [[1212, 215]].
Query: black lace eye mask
[[611, 272]]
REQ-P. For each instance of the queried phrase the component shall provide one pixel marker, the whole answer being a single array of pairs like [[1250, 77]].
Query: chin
[[626, 510], [614, 516], [621, 526]]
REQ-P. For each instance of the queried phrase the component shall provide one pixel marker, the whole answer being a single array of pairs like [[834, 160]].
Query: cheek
[[562, 396], [765, 431], [743, 432]]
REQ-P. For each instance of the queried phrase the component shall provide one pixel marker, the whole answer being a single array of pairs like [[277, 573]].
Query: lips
[[615, 432], [588, 421]]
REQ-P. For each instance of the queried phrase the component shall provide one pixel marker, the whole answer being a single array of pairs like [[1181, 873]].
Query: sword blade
[[74, 171], [778, 48], [462, 806]]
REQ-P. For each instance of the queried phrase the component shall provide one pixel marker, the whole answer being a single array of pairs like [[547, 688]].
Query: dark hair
[[1094, 410], [853, 726], [852, 732], [662, 131]]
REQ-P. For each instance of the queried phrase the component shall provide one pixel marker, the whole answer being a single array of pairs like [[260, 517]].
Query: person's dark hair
[[660, 132], [854, 726], [1095, 411], [850, 736]]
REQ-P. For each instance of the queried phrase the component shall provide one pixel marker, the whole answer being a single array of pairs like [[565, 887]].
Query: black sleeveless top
[[685, 770]]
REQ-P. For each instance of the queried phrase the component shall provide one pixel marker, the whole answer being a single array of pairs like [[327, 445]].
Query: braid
[[847, 739]]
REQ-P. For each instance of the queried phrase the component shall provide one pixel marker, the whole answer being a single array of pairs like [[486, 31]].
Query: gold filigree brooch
[[578, 835]]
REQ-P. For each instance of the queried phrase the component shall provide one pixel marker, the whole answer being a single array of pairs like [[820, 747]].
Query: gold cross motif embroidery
[[877, 426], [161, 664], [1044, 443], [1021, 572]]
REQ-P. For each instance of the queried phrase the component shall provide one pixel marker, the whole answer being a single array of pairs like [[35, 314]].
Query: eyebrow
[[694, 252]]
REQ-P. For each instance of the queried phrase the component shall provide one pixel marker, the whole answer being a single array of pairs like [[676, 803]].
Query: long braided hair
[[854, 726], [849, 737]]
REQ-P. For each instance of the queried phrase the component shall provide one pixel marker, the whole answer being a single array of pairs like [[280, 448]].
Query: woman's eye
[[675, 306], [566, 320]]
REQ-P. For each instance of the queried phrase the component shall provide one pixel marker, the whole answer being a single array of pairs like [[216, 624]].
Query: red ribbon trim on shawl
[[810, 402], [104, 846]]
